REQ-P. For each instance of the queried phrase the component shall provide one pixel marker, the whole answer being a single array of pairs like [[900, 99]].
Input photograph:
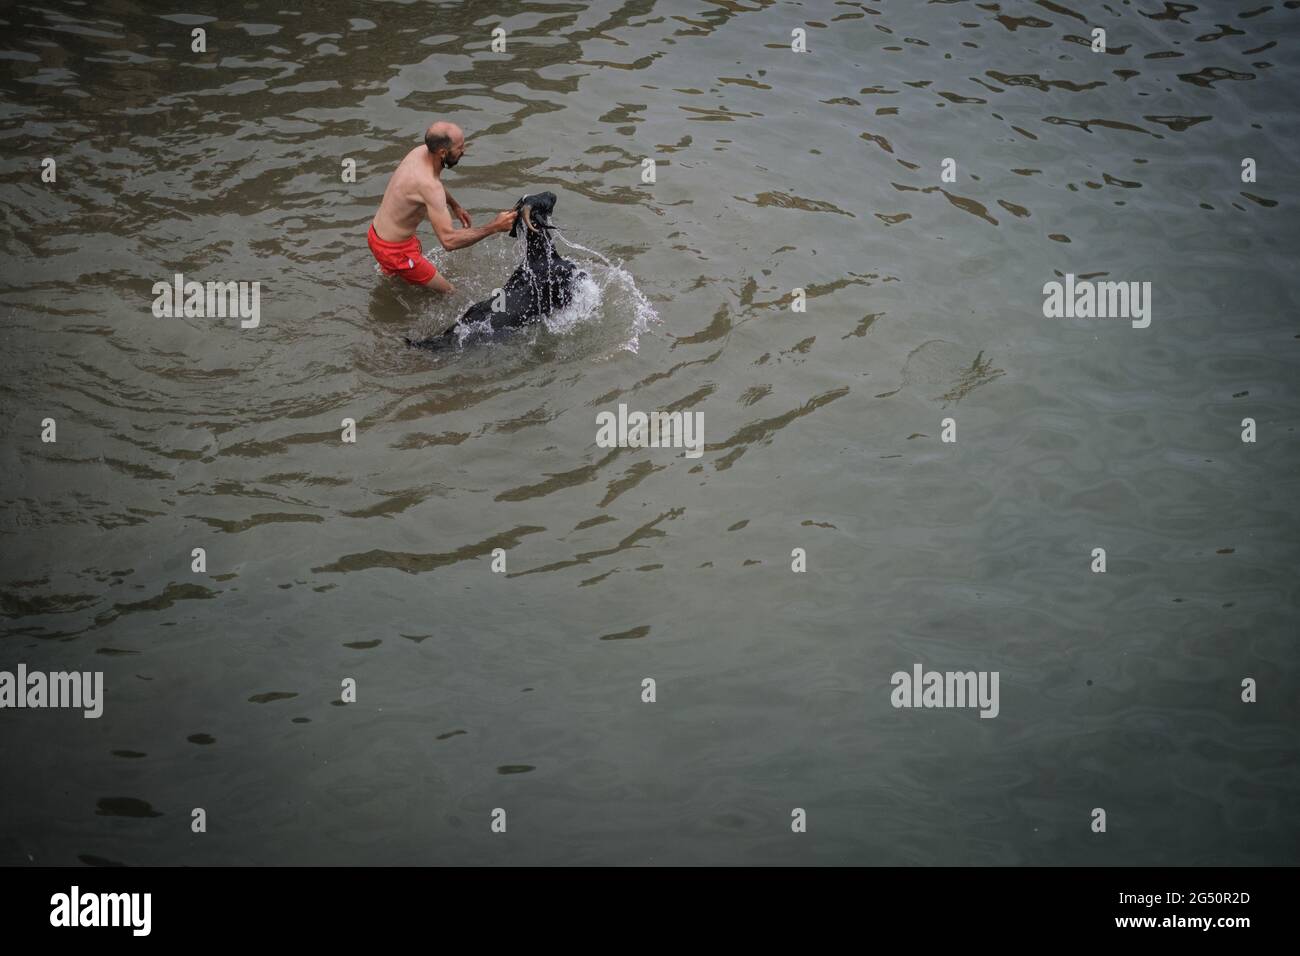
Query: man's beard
[[449, 161]]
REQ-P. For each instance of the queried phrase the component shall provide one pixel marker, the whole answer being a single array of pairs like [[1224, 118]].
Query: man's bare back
[[414, 193]]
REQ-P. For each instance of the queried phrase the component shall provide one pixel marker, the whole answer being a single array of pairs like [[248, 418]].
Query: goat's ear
[[514, 226]]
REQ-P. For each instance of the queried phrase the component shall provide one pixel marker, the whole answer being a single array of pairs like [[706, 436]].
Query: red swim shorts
[[405, 259]]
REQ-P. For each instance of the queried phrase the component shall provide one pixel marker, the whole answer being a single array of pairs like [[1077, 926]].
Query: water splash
[[583, 306], [574, 245], [604, 289], [604, 293]]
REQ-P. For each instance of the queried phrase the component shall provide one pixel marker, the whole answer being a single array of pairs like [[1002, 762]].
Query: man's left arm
[[457, 210]]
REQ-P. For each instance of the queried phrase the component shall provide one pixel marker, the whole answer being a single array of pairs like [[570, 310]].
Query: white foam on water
[[466, 329], [584, 304], [601, 289]]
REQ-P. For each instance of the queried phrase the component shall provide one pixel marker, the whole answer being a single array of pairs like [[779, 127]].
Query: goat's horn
[[528, 221]]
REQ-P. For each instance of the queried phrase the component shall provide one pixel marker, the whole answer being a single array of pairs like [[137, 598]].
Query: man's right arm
[[452, 238]]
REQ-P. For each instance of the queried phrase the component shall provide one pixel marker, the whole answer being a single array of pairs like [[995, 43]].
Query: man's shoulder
[[430, 185], [416, 167]]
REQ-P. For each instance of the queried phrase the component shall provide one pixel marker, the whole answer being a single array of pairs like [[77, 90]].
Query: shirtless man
[[416, 191]]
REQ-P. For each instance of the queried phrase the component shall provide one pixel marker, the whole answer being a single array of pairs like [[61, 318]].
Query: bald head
[[443, 135], [446, 143]]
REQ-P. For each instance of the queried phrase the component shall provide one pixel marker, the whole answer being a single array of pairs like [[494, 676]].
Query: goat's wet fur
[[540, 285]]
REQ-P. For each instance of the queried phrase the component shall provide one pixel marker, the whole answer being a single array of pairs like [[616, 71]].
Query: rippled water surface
[[521, 690]]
